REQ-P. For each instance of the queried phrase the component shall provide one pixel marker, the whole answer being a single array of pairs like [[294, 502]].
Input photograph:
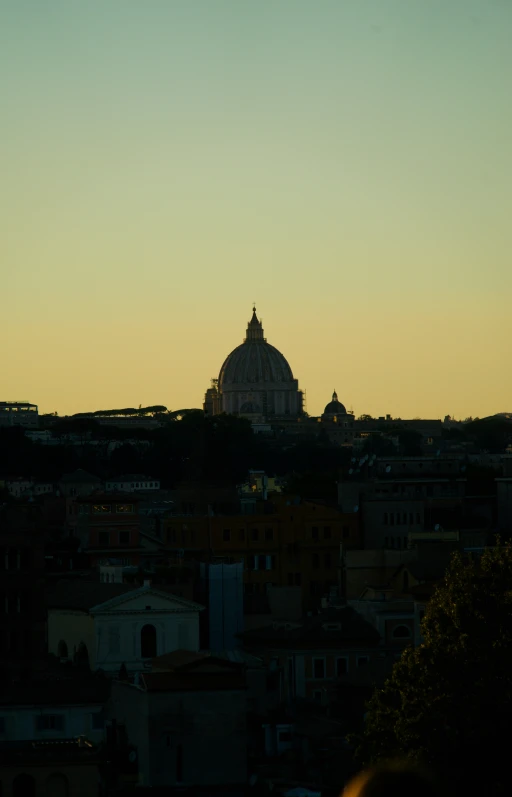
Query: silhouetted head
[[393, 779]]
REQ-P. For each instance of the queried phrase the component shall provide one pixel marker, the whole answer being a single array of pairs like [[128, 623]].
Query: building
[[53, 767], [114, 624], [314, 651], [337, 422], [221, 590], [132, 482], [186, 719], [404, 500], [255, 381], [108, 526], [26, 488], [287, 542], [57, 709], [19, 413], [22, 597], [79, 484]]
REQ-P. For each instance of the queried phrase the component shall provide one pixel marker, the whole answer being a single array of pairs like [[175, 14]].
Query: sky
[[346, 164]]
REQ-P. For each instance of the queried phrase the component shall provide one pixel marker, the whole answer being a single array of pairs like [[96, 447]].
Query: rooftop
[[333, 628]]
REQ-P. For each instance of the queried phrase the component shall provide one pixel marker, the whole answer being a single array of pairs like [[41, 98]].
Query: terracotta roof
[[169, 662]]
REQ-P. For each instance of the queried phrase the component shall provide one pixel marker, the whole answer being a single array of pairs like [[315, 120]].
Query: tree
[[448, 702]]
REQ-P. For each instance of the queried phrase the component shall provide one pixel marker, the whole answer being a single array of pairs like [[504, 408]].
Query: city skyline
[[346, 166]]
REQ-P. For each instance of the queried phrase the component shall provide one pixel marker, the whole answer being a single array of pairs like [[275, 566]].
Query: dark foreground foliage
[[448, 702]]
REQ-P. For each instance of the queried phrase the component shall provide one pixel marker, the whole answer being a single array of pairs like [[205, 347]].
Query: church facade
[[255, 381]]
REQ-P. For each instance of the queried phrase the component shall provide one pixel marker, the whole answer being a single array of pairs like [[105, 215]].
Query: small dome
[[250, 408], [335, 407]]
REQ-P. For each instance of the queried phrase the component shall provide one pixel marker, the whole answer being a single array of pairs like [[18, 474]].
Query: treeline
[[157, 409], [195, 448]]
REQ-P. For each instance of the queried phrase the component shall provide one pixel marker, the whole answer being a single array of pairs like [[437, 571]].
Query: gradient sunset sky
[[347, 164]]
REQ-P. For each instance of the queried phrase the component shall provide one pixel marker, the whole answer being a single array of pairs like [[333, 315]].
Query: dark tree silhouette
[[448, 701]]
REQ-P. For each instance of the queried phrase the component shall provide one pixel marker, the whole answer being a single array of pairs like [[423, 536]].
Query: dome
[[335, 407], [254, 362]]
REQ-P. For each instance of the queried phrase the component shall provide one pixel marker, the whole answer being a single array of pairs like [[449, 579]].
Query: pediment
[[147, 600]]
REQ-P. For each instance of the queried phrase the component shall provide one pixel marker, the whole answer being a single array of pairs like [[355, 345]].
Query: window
[[317, 695], [418, 518], [386, 542], [398, 521], [362, 660], [315, 561], [241, 534], [103, 538], [255, 534], [298, 579], [411, 518], [391, 518], [285, 736], [401, 632], [405, 518], [269, 534], [226, 535], [314, 532], [101, 509], [327, 532], [345, 532], [385, 519], [126, 509], [392, 542], [405, 580], [49, 722], [2, 725], [318, 668], [124, 538], [341, 666], [291, 579], [327, 561], [148, 642], [422, 615]]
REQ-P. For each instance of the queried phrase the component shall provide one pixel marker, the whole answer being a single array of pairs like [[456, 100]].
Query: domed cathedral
[[337, 422], [255, 381], [333, 409]]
